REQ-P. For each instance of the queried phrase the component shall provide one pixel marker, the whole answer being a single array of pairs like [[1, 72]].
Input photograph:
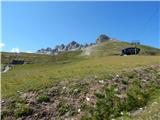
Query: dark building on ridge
[[17, 62], [130, 51]]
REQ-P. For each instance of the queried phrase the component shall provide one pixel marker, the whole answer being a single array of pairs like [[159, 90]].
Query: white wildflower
[[121, 113], [87, 98], [101, 81]]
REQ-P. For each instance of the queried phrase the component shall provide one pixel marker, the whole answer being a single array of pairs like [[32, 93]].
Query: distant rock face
[[102, 38], [72, 46]]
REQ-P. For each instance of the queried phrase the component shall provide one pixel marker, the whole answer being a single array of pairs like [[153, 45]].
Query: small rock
[[44, 103], [64, 87], [136, 112], [143, 80], [67, 114], [2, 101], [95, 77], [120, 96], [19, 119], [155, 103]]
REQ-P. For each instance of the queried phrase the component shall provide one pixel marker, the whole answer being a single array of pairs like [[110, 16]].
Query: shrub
[[110, 106], [63, 108], [131, 75], [3, 114], [43, 98], [125, 82], [23, 111], [136, 97], [107, 105], [151, 52]]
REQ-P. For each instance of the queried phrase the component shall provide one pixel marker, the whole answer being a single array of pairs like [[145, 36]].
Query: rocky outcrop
[[102, 38], [72, 46]]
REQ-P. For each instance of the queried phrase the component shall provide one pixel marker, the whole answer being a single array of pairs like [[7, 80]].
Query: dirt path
[[6, 68], [88, 50]]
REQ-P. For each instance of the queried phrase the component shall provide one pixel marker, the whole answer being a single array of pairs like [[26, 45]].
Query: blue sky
[[30, 26]]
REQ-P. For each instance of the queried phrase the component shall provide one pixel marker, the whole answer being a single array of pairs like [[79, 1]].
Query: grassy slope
[[33, 76], [46, 68], [115, 47], [49, 69], [75, 91], [39, 58]]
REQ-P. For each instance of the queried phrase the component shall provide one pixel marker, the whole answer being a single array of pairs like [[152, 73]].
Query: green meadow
[[36, 76]]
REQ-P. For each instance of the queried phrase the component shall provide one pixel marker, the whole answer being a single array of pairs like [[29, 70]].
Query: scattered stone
[[95, 77], [29, 97], [143, 80], [64, 87], [120, 96], [122, 87], [136, 112], [155, 103], [2, 101]]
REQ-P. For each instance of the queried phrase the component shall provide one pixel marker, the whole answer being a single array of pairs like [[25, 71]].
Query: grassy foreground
[[129, 95], [35, 76]]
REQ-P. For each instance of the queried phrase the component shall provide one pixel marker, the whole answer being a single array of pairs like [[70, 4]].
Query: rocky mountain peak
[[72, 46], [102, 38]]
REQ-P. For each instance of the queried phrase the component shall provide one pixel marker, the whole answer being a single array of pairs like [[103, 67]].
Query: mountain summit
[[102, 38], [72, 46]]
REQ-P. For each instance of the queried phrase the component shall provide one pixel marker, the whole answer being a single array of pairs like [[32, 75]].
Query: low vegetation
[[92, 98], [23, 111], [43, 98], [39, 58], [35, 76]]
